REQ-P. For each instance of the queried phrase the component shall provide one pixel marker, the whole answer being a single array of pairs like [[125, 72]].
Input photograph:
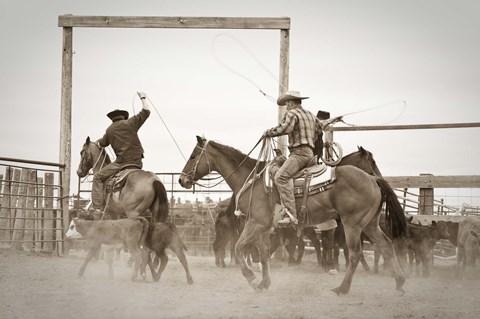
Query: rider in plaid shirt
[[302, 128]]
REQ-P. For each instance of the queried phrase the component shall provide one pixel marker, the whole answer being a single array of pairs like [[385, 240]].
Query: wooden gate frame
[[68, 22]]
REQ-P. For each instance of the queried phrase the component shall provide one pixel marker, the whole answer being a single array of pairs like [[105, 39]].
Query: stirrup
[[287, 220]]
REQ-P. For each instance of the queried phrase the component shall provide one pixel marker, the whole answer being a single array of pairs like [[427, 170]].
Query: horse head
[[362, 159], [197, 165], [89, 157]]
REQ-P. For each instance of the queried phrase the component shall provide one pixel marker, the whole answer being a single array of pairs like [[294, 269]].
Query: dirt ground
[[41, 287]]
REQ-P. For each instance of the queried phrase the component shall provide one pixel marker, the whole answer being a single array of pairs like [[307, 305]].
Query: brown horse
[[142, 192], [356, 197]]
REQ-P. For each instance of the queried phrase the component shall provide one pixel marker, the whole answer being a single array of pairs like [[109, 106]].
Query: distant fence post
[[19, 224], [30, 212], [425, 204], [48, 213], [5, 211]]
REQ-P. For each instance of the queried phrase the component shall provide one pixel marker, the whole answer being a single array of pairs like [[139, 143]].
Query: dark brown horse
[[143, 191], [356, 197]]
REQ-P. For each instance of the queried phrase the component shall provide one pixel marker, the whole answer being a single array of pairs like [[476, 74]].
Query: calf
[[131, 232], [468, 243], [422, 240], [160, 236]]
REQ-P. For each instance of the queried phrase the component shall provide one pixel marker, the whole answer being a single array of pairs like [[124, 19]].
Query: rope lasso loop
[[220, 61]]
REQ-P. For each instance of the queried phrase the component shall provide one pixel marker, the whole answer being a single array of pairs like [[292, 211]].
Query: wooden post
[[30, 214], [283, 85], [5, 207], [425, 205], [66, 121], [19, 225], [48, 213]]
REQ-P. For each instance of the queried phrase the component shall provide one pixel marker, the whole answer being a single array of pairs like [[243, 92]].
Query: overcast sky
[[347, 56]]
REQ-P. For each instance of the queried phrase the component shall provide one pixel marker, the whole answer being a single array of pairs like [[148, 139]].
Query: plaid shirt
[[301, 126]]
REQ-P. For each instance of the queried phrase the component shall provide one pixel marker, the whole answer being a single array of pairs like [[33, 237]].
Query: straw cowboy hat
[[290, 95], [115, 113]]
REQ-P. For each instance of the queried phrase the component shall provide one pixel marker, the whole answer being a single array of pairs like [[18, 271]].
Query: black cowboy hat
[[113, 114]]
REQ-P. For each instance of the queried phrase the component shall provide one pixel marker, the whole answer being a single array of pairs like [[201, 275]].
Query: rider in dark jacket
[[122, 135]]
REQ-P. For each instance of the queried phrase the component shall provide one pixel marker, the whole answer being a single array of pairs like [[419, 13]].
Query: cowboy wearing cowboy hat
[[122, 135], [302, 128]]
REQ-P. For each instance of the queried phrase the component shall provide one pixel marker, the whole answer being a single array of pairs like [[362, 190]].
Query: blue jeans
[[298, 159]]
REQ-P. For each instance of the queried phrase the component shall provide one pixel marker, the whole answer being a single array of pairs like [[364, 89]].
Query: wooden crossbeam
[[282, 23]]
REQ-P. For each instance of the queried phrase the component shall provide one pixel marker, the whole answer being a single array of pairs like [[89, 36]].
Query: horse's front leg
[[264, 251], [249, 236]]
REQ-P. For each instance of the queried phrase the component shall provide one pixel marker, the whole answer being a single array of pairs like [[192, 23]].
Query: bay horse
[[355, 196], [143, 191]]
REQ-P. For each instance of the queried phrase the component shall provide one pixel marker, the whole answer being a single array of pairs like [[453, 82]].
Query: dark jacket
[[123, 137]]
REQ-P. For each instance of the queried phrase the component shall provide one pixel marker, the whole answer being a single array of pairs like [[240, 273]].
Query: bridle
[[190, 175], [102, 150]]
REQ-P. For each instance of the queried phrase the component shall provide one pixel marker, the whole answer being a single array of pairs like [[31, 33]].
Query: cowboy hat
[[113, 114], [290, 95]]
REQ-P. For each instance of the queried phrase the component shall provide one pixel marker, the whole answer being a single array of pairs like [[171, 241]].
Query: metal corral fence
[[31, 215]]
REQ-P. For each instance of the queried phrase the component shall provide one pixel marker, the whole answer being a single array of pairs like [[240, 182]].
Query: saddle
[[313, 179], [117, 181]]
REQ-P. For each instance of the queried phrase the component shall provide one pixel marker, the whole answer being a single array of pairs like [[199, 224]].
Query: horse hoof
[[333, 272], [254, 283], [401, 292], [339, 291]]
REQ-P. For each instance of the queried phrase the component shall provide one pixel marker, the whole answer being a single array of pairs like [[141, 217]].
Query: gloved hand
[[265, 134], [142, 95]]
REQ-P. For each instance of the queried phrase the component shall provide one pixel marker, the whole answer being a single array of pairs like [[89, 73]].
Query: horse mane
[[236, 155], [361, 151]]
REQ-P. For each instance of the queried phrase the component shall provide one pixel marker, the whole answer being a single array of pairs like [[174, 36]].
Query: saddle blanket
[[318, 183], [117, 181]]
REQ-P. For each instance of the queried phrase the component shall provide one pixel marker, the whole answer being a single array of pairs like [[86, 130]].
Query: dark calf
[[422, 240], [161, 236], [468, 244]]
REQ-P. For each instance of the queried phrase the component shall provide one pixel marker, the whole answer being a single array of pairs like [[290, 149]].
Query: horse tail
[[394, 216], [162, 198]]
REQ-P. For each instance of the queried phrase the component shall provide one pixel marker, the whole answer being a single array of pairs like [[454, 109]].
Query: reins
[[204, 151]]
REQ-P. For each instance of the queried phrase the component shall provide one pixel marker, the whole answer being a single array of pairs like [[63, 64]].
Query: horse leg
[[264, 254], [145, 254], [328, 238], [249, 236], [300, 250], [316, 244], [352, 237], [386, 247], [376, 258], [365, 265]]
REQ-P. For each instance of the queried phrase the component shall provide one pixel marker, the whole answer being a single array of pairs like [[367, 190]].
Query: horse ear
[[200, 140], [88, 140]]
